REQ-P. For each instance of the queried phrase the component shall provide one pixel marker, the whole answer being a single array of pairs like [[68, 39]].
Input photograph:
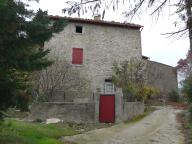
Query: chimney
[[97, 17]]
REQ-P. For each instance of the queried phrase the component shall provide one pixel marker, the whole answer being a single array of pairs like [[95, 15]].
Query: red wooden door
[[107, 108]]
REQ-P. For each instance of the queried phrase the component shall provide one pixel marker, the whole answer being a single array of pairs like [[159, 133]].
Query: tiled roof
[[99, 22]]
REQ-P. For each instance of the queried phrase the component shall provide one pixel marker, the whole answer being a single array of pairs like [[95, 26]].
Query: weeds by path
[[140, 117], [19, 132], [183, 118]]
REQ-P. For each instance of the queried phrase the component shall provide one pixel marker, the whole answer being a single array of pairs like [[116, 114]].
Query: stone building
[[91, 47]]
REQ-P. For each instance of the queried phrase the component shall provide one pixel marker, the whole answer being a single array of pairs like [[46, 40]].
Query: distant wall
[[66, 111], [162, 77], [132, 109]]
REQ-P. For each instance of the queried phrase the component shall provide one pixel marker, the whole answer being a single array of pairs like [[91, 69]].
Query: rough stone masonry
[[102, 43]]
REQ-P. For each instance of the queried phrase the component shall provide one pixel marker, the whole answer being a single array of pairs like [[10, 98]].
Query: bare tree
[[60, 76], [131, 71], [130, 76]]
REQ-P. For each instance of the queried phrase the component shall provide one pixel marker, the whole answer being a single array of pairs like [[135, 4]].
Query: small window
[[79, 29], [77, 56], [109, 87]]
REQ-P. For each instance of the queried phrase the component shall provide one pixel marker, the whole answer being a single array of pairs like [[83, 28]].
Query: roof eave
[[98, 22]]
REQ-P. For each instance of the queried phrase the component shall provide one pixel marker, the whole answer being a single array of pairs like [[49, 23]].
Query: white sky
[[154, 45]]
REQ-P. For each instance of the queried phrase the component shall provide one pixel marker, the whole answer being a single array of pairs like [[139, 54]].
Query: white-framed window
[[109, 87]]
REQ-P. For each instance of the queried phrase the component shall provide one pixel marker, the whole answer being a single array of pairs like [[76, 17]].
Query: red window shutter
[[77, 56]]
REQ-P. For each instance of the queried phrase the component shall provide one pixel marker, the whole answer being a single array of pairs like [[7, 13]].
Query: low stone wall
[[132, 109], [66, 111], [82, 112]]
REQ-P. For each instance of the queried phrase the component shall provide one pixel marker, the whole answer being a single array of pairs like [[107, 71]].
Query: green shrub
[[129, 92], [38, 120], [146, 92], [174, 96], [20, 132], [190, 113], [187, 89]]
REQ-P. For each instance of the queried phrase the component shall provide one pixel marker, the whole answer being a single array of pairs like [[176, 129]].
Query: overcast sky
[[154, 45]]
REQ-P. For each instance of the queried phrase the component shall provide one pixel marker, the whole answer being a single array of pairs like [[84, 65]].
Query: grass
[[19, 132], [184, 119], [188, 127], [140, 117], [190, 132]]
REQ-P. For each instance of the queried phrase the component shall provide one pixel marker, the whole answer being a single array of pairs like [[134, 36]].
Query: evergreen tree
[[22, 36]]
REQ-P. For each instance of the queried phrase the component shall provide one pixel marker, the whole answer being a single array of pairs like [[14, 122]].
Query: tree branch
[[159, 7], [174, 33]]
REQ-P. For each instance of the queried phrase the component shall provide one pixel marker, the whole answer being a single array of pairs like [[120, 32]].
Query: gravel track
[[160, 127]]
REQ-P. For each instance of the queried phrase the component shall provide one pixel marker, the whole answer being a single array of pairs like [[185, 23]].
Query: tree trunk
[[189, 20]]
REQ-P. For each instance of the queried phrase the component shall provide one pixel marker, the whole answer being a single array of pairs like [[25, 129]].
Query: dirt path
[[160, 127]]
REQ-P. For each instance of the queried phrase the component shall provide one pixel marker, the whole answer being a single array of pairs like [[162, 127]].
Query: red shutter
[[77, 56]]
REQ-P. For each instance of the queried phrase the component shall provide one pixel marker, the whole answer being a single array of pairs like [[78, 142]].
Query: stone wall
[[76, 112], [82, 111], [62, 96], [132, 109], [162, 77]]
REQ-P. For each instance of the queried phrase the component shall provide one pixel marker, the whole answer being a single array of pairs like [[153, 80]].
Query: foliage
[[190, 113], [184, 66], [130, 92], [12, 131], [174, 96], [185, 69], [146, 93], [22, 35], [187, 125], [38, 120], [187, 92], [130, 76], [187, 89]]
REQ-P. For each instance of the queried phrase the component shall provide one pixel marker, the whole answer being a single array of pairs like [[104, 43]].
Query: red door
[[107, 108]]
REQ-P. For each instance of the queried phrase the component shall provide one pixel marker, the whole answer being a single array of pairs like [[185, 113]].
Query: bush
[[129, 92], [38, 120], [174, 96], [146, 92], [187, 89], [190, 113]]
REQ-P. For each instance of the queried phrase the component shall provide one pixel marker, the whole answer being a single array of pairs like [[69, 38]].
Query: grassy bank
[[190, 132], [140, 117], [183, 118], [18, 132], [188, 129]]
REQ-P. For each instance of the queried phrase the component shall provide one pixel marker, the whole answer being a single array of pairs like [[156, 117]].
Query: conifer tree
[[22, 36]]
